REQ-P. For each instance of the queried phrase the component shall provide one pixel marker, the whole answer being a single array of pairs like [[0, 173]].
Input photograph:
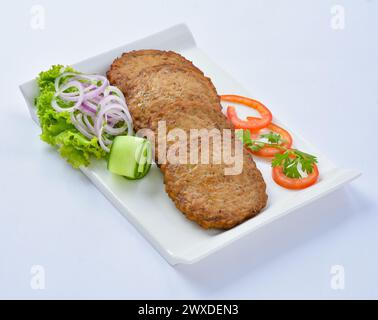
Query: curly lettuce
[[57, 128]]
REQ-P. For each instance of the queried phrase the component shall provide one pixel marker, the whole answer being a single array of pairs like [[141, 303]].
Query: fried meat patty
[[130, 64], [215, 200], [202, 191], [164, 86], [188, 117]]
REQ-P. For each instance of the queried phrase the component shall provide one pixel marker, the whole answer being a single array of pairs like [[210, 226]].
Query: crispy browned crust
[[161, 85], [187, 116], [130, 64], [215, 200], [202, 191], [165, 84]]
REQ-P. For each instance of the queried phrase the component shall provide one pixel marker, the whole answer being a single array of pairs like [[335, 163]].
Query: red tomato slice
[[266, 151], [294, 183], [253, 124]]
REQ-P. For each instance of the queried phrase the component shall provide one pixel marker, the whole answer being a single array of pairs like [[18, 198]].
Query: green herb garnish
[[291, 160]]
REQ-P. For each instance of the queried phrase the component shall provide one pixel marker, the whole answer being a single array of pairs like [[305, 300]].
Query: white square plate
[[146, 205]]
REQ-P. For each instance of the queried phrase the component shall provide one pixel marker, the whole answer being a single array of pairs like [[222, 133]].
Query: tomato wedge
[[294, 183], [253, 124], [267, 151]]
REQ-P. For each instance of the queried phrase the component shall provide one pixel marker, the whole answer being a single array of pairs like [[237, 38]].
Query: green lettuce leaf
[[57, 128]]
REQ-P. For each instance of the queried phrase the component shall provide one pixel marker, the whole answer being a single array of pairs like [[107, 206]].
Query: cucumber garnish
[[130, 157]]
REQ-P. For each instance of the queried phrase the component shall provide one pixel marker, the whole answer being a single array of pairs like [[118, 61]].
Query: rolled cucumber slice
[[130, 157]]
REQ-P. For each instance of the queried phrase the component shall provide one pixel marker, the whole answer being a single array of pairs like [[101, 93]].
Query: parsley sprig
[[292, 160], [274, 140]]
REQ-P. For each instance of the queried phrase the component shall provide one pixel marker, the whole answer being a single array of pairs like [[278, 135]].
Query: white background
[[322, 81]]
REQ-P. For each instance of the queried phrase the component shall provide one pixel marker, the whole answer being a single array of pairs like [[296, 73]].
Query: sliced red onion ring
[[101, 126], [63, 75], [89, 107], [101, 116], [98, 89], [103, 141], [111, 98], [106, 140], [70, 96], [79, 124], [89, 120], [79, 100], [88, 83], [113, 89], [117, 118], [99, 110]]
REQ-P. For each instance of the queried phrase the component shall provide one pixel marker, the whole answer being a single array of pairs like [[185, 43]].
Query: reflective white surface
[[319, 80]]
